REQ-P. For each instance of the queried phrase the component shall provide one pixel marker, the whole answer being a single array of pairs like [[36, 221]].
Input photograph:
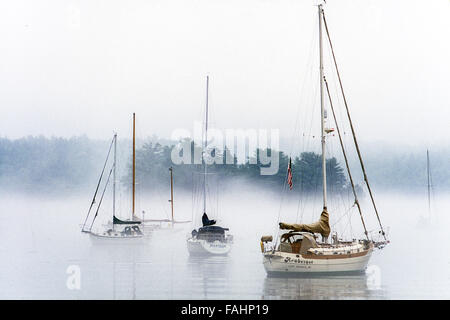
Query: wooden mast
[[134, 166], [171, 191]]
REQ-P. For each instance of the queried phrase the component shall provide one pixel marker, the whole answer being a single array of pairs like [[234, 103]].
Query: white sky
[[82, 67]]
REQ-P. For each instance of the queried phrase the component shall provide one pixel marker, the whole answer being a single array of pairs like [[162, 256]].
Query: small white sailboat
[[427, 220], [210, 239], [299, 252], [117, 228]]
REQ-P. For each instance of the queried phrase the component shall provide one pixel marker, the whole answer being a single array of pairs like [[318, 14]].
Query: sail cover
[[212, 229], [322, 226], [206, 221], [118, 221]]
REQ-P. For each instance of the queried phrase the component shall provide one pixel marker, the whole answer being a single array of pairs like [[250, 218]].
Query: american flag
[[289, 176]]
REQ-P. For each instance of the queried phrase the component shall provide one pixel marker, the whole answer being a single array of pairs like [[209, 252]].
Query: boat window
[[296, 238], [291, 238]]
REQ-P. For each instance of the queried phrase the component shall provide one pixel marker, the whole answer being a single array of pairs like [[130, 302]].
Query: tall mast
[[204, 146], [429, 186], [114, 177], [134, 165], [322, 109], [171, 190]]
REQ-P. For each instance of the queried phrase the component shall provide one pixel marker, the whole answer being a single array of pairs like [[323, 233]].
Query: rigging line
[[432, 197], [345, 199], [283, 189], [297, 128], [345, 158], [345, 214], [428, 180], [300, 202], [307, 145], [335, 199], [351, 126], [192, 201], [335, 189], [344, 230], [99, 181], [162, 203], [101, 199], [350, 224], [217, 198], [304, 81], [428, 183]]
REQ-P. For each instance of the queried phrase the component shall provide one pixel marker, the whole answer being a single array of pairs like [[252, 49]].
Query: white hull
[[203, 247], [105, 238], [283, 263]]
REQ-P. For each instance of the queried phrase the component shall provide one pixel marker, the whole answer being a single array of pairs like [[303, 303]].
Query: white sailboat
[[210, 239], [427, 220], [299, 251], [117, 228]]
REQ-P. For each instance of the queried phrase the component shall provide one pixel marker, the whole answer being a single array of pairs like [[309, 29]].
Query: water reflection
[[323, 287], [208, 276], [161, 268]]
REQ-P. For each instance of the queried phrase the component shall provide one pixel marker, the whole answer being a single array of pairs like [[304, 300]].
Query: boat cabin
[[210, 233], [297, 242], [127, 231]]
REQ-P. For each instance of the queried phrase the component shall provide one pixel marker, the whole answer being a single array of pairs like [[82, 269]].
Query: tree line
[[58, 165], [154, 159]]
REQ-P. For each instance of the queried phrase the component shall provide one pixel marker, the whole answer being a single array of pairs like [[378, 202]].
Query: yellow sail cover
[[322, 226]]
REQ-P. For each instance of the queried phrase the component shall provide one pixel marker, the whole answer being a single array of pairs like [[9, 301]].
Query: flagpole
[[289, 178]]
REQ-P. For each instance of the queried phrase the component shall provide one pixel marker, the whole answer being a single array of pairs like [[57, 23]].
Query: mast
[[171, 190], [134, 166], [322, 110], [429, 186], [204, 146], [114, 178], [98, 185]]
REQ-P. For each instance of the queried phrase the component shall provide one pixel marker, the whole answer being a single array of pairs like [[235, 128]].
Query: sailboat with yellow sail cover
[[299, 250]]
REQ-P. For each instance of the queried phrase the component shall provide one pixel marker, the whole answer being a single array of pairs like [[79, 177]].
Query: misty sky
[[82, 67]]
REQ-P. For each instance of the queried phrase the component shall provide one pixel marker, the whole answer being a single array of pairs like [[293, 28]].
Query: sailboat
[[172, 220], [117, 228], [299, 251], [210, 239], [427, 220]]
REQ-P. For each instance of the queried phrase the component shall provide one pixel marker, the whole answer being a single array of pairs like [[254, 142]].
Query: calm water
[[40, 240]]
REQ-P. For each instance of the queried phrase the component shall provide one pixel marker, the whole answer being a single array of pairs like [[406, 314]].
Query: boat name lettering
[[301, 261], [218, 245]]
